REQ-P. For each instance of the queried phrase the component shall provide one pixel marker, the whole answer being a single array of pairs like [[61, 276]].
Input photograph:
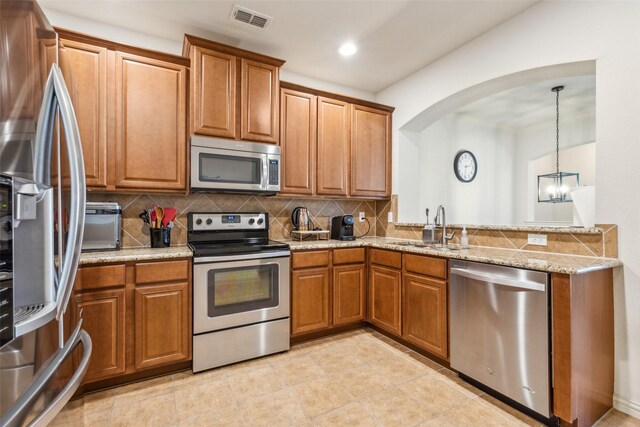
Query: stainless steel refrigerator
[[43, 355]]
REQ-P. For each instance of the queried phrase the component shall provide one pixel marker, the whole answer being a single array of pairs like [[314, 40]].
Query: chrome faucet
[[442, 222]]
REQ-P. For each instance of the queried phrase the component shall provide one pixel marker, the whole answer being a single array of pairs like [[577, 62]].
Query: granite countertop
[[532, 228], [542, 261], [137, 254]]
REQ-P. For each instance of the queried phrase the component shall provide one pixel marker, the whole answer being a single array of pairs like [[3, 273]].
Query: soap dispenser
[[464, 238]]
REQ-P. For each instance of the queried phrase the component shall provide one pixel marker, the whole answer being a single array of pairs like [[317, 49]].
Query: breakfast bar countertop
[[542, 261]]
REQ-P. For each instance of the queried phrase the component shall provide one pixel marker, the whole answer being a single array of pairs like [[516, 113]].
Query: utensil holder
[[160, 237]]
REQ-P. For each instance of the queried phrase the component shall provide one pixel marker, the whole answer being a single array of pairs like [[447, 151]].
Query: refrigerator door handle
[[78, 203], [16, 415], [56, 89], [56, 405], [44, 133]]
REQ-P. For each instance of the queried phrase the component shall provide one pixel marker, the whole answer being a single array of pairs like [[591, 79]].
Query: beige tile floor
[[359, 378]]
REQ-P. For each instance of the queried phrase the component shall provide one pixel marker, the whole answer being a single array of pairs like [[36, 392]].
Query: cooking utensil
[[144, 216], [169, 215], [159, 215]]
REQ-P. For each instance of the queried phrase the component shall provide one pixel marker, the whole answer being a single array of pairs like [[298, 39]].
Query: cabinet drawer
[[150, 272], [348, 256], [309, 259], [387, 258], [103, 276], [427, 266]]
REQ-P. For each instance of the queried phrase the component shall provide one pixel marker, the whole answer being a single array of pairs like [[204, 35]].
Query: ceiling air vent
[[248, 16]]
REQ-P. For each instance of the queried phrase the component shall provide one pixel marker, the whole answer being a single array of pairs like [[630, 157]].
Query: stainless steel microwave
[[229, 166]]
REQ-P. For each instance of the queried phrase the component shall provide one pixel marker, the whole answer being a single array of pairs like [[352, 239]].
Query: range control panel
[[215, 221]]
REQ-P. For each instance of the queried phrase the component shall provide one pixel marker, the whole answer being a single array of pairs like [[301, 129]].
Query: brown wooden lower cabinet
[[348, 294], [137, 318], [103, 314], [327, 289], [310, 304], [162, 323], [384, 298], [424, 313]]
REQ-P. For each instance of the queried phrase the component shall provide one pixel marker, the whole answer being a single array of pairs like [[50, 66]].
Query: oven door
[[228, 170], [239, 290]]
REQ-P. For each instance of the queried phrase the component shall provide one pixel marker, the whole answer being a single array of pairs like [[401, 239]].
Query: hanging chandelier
[[556, 187]]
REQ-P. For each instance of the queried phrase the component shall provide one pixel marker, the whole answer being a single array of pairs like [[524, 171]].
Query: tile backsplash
[[135, 233]]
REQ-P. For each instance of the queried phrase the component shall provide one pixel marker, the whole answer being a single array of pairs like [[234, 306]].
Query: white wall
[[536, 141], [490, 193], [121, 35], [110, 32], [580, 159], [555, 33]]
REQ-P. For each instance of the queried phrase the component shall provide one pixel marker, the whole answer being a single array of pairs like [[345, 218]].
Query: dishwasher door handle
[[499, 280]]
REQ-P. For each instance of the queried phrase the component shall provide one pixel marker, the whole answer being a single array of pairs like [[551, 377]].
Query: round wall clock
[[465, 166]]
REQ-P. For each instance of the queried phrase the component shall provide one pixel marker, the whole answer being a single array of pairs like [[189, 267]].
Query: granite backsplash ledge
[[603, 243], [135, 233]]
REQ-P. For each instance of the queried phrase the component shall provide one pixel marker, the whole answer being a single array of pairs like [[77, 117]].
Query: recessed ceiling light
[[348, 49]]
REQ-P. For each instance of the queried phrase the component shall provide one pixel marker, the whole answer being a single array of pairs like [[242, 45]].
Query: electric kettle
[[300, 218]]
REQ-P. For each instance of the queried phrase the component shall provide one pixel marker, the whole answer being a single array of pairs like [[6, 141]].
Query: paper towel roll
[[584, 206]]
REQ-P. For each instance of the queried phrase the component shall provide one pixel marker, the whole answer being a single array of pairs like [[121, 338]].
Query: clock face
[[465, 166]]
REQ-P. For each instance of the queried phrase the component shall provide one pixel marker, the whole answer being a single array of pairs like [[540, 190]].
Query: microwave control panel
[[273, 172]]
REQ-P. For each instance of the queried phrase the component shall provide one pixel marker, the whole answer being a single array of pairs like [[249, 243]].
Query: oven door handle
[[275, 254]]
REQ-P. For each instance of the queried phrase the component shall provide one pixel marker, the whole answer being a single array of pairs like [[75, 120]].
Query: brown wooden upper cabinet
[[334, 126], [370, 152], [298, 141], [334, 145], [150, 120], [235, 93], [131, 106], [84, 66]]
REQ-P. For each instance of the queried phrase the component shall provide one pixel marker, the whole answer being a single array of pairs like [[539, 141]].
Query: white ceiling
[[535, 103], [395, 37]]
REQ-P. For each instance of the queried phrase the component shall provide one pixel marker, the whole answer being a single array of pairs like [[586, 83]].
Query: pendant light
[[556, 187]]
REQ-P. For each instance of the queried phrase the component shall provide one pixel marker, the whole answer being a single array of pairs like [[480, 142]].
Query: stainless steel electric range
[[240, 288]]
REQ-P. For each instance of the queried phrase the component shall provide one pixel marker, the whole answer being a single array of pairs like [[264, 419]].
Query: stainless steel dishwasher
[[499, 330]]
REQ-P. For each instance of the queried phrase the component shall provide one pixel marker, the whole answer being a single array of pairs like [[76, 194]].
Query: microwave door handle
[[77, 191], [265, 173], [18, 412]]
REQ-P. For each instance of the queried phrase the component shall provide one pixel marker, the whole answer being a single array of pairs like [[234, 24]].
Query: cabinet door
[[103, 314], [384, 298], [260, 92], [333, 147], [150, 120], [310, 307], [84, 67], [298, 140], [348, 294], [370, 152], [214, 93], [425, 313], [20, 85], [163, 326]]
